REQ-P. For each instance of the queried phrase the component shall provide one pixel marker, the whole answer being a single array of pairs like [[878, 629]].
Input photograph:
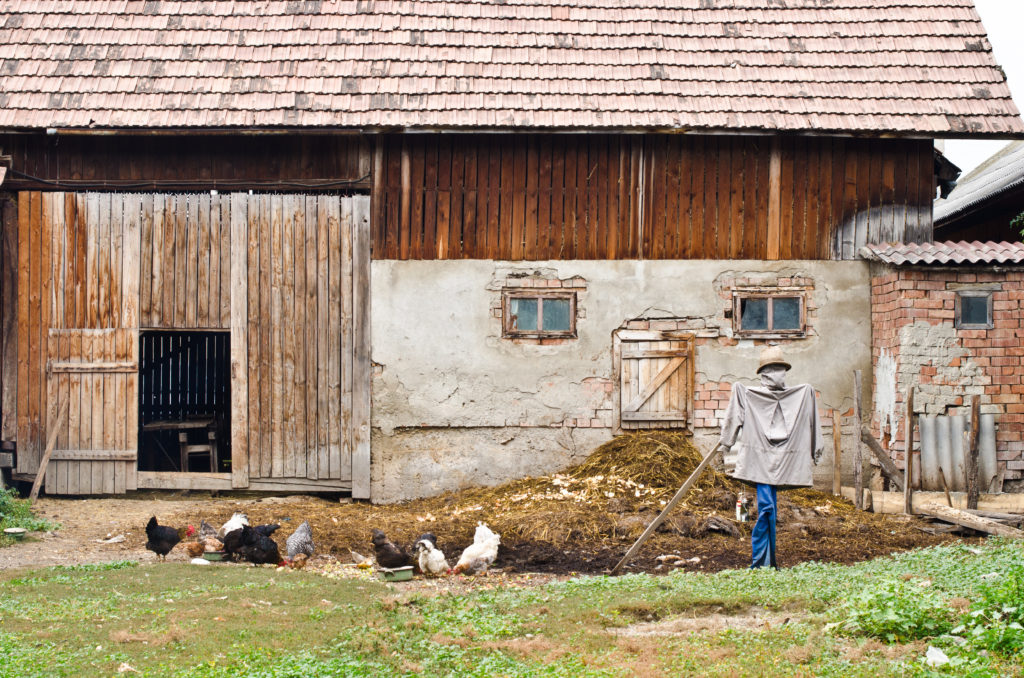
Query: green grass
[[15, 512], [179, 620]]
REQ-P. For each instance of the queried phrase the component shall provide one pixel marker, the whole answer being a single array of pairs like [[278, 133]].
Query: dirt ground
[[822, 533]]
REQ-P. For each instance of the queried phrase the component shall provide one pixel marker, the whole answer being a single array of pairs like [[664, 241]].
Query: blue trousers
[[762, 540]]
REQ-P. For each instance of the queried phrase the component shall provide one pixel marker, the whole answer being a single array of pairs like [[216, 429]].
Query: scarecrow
[[773, 431]]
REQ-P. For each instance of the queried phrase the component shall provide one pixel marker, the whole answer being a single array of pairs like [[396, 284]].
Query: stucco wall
[[455, 404]]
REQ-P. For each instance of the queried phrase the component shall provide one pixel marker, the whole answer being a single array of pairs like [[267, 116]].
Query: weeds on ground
[[15, 512]]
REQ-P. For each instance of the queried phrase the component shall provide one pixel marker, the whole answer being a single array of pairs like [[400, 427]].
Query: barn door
[[94, 375], [655, 382], [78, 338]]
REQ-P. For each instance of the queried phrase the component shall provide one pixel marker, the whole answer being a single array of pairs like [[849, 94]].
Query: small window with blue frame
[[539, 314], [768, 314]]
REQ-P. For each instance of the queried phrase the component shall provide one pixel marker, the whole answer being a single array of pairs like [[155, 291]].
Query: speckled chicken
[[300, 541]]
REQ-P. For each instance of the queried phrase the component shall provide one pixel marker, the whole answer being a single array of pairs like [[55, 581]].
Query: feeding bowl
[[214, 555], [16, 532], [397, 573]]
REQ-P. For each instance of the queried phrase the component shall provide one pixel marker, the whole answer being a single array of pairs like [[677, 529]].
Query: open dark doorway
[[185, 401]]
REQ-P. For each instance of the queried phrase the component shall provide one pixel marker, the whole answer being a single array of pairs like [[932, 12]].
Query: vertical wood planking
[[311, 342], [9, 323], [202, 228], [254, 292], [339, 348], [324, 329], [300, 444], [260, 461]]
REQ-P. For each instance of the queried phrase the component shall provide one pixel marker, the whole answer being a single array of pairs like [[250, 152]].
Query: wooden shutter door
[[655, 383]]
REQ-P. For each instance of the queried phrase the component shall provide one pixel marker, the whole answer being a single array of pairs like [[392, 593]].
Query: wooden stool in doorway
[[187, 450]]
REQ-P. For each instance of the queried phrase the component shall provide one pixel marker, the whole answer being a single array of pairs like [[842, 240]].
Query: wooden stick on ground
[[837, 453], [858, 459], [50, 442], [945, 487], [958, 517], [885, 461], [690, 482]]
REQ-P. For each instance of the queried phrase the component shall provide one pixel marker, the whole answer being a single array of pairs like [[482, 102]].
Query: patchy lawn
[[873, 618]]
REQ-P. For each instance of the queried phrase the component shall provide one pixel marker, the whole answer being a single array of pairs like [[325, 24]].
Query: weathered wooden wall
[[296, 162], [185, 261], [535, 197], [300, 359], [8, 317], [296, 289]]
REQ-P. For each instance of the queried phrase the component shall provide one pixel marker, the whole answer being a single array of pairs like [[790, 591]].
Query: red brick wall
[[912, 320]]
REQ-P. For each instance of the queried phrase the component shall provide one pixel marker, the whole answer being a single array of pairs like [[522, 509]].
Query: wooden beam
[[908, 440], [888, 467], [118, 366], [94, 455], [971, 454], [858, 458], [837, 452], [362, 378], [50, 442], [958, 517]]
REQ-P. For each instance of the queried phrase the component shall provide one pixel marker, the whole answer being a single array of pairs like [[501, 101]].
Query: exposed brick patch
[[912, 323]]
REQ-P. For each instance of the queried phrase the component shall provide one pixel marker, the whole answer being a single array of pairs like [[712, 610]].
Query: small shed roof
[[946, 253], [913, 67], [999, 174]]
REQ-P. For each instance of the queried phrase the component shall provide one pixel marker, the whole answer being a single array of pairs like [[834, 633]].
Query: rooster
[[236, 522], [300, 541], [431, 559], [388, 554], [161, 539], [479, 555], [250, 544]]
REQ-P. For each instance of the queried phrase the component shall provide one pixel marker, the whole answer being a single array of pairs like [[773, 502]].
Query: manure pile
[[584, 518]]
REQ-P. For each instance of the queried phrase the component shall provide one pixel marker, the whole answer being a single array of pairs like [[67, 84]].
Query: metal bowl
[[397, 573], [15, 532], [214, 555]]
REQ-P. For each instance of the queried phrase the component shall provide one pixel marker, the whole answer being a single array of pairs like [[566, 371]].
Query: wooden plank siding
[[287, 274], [541, 197]]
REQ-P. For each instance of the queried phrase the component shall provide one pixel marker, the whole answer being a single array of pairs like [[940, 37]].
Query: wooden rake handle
[[687, 486]]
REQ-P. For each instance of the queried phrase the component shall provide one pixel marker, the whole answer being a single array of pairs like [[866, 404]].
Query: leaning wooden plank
[[239, 346], [894, 475], [361, 375], [858, 461], [908, 441], [680, 493], [50, 441], [958, 517]]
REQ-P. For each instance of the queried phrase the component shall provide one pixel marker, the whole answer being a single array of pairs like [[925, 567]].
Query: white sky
[[1003, 20]]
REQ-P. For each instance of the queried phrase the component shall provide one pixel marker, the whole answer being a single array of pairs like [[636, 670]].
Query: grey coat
[[774, 434]]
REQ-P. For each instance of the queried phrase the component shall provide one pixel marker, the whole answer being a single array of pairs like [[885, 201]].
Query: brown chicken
[[194, 549]]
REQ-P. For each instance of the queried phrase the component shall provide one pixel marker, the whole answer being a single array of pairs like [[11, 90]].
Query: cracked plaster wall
[[448, 386]]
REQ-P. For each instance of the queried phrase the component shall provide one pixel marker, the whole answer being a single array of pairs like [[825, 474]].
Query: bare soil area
[[579, 521]]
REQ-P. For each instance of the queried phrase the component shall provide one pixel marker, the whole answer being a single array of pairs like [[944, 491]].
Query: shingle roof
[[946, 253], [901, 66], [1000, 173]]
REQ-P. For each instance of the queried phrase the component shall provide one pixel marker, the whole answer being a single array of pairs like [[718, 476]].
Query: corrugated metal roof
[[946, 253], [900, 66], [1002, 171]]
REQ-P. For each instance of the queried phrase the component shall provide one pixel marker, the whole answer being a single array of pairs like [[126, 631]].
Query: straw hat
[[772, 355]]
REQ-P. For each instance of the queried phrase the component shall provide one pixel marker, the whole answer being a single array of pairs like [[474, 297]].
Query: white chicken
[[431, 559], [236, 522], [479, 555]]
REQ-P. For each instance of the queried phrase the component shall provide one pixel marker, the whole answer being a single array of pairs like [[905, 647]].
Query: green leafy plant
[[996, 621], [1018, 222], [15, 512], [897, 612]]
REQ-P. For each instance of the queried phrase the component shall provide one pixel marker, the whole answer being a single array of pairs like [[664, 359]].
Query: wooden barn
[[393, 248]]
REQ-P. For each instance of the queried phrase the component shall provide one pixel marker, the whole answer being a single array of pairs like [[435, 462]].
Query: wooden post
[[858, 459], [697, 473], [50, 442], [908, 441], [971, 454], [837, 452]]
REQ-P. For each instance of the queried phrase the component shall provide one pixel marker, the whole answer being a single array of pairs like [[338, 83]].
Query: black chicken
[[388, 554], [267, 530], [252, 545], [161, 539]]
